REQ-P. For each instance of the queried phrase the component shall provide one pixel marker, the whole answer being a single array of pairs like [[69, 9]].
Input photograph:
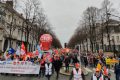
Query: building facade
[[13, 28], [102, 41]]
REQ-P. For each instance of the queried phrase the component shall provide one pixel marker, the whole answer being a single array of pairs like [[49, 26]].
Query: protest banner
[[111, 61], [19, 67]]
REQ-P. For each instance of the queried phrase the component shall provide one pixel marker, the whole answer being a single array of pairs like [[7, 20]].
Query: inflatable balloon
[[45, 41]]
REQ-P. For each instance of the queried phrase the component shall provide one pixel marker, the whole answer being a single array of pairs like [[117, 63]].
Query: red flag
[[36, 53], [23, 51], [105, 71]]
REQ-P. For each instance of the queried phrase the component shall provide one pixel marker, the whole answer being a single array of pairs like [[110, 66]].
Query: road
[[9, 77], [62, 77]]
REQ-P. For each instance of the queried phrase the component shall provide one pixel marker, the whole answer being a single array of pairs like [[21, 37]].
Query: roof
[[12, 10]]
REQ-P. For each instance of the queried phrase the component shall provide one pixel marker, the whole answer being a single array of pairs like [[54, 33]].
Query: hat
[[97, 70], [77, 65]]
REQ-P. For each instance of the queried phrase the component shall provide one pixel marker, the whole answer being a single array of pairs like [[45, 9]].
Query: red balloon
[[45, 41], [46, 38]]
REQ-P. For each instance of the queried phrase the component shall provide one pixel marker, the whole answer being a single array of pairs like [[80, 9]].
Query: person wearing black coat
[[85, 61], [117, 70], [67, 62], [57, 63], [75, 59]]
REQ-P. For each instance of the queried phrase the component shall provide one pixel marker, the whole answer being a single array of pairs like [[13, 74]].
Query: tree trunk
[[87, 45]]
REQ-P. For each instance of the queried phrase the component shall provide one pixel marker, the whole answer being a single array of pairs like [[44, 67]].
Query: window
[[8, 27], [117, 38], [18, 31], [14, 21], [9, 17], [113, 37], [19, 22]]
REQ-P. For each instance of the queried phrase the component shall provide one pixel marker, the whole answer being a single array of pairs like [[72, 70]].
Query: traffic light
[[65, 45]]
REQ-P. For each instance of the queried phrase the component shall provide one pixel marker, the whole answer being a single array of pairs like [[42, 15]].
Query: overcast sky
[[64, 15]]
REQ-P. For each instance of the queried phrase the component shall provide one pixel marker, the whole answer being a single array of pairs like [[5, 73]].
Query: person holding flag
[[106, 73]]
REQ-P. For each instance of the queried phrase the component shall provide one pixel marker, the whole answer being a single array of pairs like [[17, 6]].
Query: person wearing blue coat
[[117, 70]]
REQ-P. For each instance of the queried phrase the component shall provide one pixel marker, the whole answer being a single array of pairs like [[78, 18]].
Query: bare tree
[[107, 9], [94, 25], [30, 12], [36, 22], [90, 15]]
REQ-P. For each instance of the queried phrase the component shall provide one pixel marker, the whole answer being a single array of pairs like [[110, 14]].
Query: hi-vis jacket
[[48, 69], [95, 78], [77, 75]]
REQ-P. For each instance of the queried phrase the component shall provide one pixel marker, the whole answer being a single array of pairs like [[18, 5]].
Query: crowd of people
[[102, 72], [51, 63], [50, 66]]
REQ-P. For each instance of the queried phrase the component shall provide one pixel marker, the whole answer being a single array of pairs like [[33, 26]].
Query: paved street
[[62, 77]]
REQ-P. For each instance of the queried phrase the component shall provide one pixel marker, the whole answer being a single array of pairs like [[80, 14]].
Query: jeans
[[67, 68], [42, 72]]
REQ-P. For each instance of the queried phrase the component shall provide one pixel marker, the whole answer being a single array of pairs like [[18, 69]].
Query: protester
[[48, 69], [57, 63], [77, 73], [75, 59], [85, 61], [42, 68], [67, 62], [117, 70], [97, 75], [106, 73]]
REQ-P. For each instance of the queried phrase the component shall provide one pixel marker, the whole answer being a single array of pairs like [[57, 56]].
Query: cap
[[97, 70], [77, 65]]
